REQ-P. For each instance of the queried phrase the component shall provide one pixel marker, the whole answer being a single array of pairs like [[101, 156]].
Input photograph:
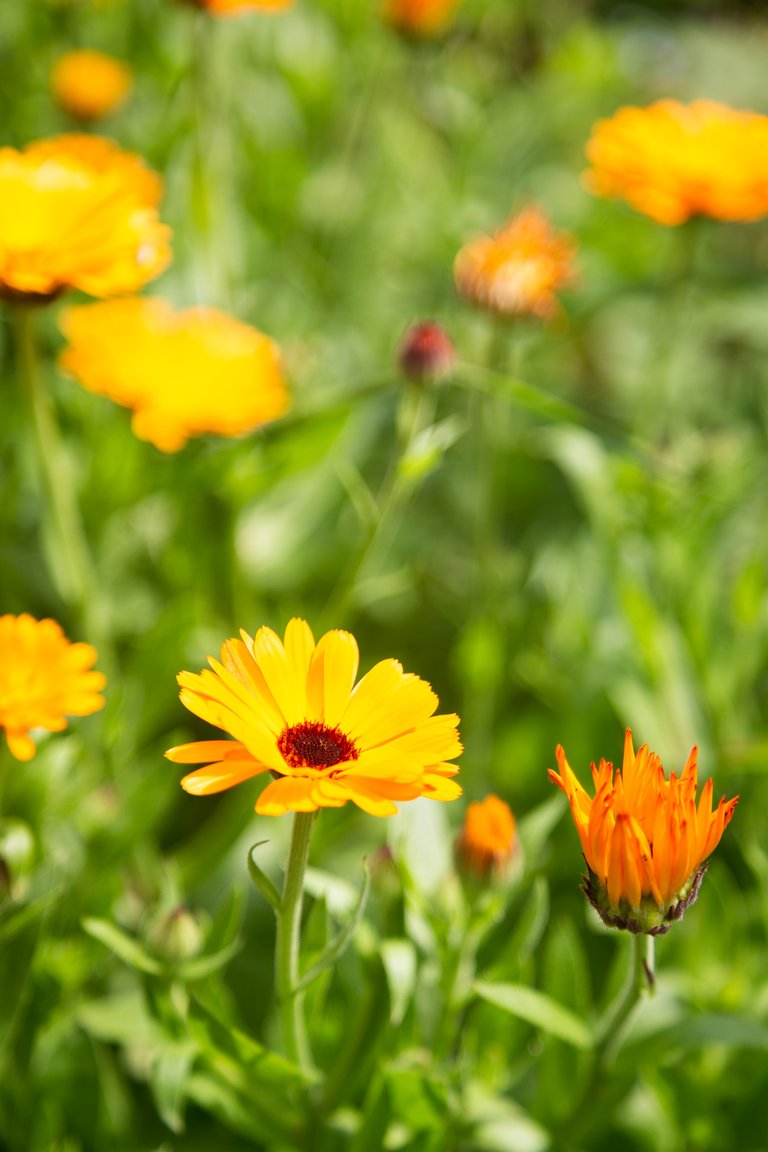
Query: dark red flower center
[[315, 745]]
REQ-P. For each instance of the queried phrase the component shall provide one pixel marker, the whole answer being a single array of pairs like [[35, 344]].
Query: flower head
[[645, 839], [43, 679], [672, 161], [487, 841], [78, 212], [182, 373], [240, 7], [420, 17], [518, 270], [294, 710], [90, 85]]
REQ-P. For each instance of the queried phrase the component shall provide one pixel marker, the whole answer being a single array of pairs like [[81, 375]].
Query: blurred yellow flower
[[295, 711], [77, 212], [43, 679], [518, 270], [672, 161], [239, 7], [487, 841], [183, 373], [90, 85], [420, 17], [644, 838]]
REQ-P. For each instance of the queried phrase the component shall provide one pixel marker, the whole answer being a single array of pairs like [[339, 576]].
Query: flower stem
[[290, 1001], [71, 563]]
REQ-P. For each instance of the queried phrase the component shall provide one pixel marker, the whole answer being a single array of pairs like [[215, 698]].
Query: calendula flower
[[488, 839], [420, 17], [183, 373], [77, 212], [294, 710], [672, 161], [240, 7], [645, 839], [518, 270], [43, 679], [90, 85]]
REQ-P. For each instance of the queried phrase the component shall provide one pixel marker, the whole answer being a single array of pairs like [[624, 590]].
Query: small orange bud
[[487, 842]]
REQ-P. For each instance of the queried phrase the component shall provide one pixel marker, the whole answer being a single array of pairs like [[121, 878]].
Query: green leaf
[[17, 917], [168, 1078], [124, 946], [122, 1019], [260, 879], [536, 828], [202, 966], [399, 960], [343, 939], [537, 1009]]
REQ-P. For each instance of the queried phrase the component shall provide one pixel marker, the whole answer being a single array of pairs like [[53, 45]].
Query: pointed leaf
[[266, 886], [124, 946], [343, 939], [537, 1009]]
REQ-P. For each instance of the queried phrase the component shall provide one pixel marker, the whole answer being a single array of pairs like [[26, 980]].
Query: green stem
[[71, 563], [290, 1002]]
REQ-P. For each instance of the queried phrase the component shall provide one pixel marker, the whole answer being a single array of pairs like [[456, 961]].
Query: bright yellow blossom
[[487, 841], [295, 711], [183, 373], [77, 212], [239, 7], [43, 679], [89, 85], [518, 270], [644, 838], [672, 161]]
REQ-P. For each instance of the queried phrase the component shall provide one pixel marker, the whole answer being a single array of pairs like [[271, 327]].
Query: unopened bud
[[175, 935], [426, 353], [487, 844]]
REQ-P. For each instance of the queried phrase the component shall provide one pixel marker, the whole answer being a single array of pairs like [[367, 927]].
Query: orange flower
[[182, 373], [43, 679], [90, 85], [672, 161], [487, 841], [77, 212], [295, 711], [517, 270], [239, 7], [420, 17], [644, 838]]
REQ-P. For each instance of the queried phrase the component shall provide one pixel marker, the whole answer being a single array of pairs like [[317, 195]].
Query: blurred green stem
[[291, 1002], [71, 565]]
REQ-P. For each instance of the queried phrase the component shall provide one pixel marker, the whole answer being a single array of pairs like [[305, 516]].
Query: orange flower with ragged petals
[[645, 839], [43, 679], [672, 161], [295, 711], [519, 269], [78, 212]]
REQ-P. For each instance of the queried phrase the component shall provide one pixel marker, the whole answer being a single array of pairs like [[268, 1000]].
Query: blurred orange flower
[[420, 17], [487, 841], [672, 161], [43, 679], [644, 838], [295, 711], [518, 270], [90, 85], [77, 212], [182, 373], [239, 7]]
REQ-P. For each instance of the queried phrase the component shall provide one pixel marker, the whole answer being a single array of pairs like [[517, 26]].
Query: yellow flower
[[517, 270], [239, 7], [90, 85], [182, 373], [487, 841], [420, 17], [672, 161], [644, 838], [295, 711], [77, 212], [43, 679]]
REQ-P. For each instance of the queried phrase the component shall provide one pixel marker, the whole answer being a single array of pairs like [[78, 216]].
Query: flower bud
[[487, 843], [426, 354]]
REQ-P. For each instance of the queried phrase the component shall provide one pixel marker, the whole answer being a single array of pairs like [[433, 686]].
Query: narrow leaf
[[123, 945], [343, 939], [202, 966], [537, 1009], [267, 888]]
